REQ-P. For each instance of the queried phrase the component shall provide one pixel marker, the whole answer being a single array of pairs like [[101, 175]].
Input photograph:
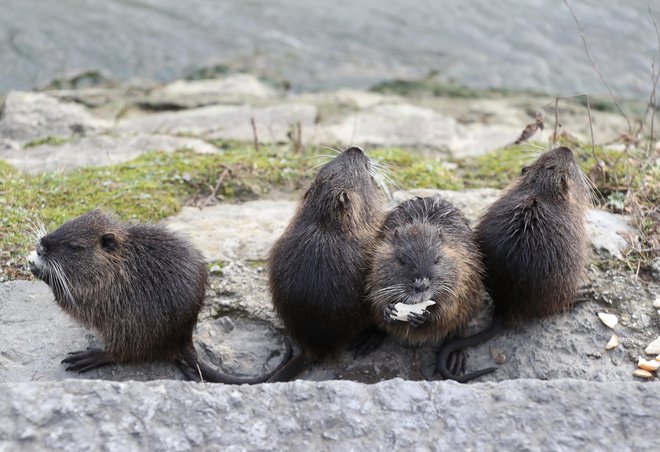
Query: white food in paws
[[402, 310]]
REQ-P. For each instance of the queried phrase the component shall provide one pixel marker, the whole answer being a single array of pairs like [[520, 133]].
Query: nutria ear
[[109, 241], [524, 170]]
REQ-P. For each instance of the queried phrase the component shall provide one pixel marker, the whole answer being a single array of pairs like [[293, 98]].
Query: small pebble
[[613, 342], [656, 303], [653, 348], [498, 355], [641, 373], [608, 319]]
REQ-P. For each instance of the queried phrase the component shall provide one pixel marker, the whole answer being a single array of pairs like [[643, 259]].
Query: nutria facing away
[[426, 251], [317, 268], [534, 241], [139, 286]]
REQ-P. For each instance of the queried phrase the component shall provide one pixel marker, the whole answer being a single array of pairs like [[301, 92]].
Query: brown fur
[[426, 238], [318, 266], [139, 286], [534, 239]]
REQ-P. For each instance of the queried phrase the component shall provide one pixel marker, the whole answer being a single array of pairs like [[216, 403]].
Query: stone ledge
[[330, 415]]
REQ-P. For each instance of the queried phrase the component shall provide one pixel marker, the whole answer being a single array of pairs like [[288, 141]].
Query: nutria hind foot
[[455, 361], [367, 341], [450, 362], [584, 293], [86, 360]]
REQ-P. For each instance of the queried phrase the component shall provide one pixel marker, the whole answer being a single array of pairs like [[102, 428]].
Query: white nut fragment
[[651, 365], [404, 310], [656, 303], [653, 348], [613, 342], [641, 373], [608, 319]]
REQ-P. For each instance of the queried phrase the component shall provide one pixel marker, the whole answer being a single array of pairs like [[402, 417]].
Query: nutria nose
[[421, 285]]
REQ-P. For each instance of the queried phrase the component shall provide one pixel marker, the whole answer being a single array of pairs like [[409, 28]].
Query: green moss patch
[[156, 185], [52, 140]]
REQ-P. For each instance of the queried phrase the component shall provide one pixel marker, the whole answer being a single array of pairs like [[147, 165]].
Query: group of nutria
[[346, 272]]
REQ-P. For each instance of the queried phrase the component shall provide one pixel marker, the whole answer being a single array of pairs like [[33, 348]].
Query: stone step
[[330, 415]]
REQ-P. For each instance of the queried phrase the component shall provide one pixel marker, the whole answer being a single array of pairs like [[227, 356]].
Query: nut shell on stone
[[612, 343], [608, 319], [653, 348], [650, 365], [641, 373], [656, 303]]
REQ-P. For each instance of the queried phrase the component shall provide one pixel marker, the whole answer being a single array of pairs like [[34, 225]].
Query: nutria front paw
[[85, 360], [417, 320], [389, 313]]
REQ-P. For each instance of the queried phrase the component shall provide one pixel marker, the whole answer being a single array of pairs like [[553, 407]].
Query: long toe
[[456, 362], [86, 361]]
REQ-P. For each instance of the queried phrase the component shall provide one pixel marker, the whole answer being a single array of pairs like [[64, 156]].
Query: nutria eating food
[[425, 282]]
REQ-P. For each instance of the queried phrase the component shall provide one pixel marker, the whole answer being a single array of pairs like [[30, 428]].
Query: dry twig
[[254, 134], [600, 74]]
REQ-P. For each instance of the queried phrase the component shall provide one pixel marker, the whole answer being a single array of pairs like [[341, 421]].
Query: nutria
[[534, 242], [426, 251], [317, 268], [139, 286]]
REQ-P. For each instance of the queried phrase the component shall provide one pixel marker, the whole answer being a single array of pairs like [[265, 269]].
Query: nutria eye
[[436, 261], [400, 260]]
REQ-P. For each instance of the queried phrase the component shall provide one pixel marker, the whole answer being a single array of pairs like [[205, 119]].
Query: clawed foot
[[455, 362], [389, 312], [188, 373], [367, 341], [584, 293], [417, 320], [86, 360]]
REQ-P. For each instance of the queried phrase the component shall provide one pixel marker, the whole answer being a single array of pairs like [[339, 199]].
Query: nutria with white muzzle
[[425, 282], [139, 286]]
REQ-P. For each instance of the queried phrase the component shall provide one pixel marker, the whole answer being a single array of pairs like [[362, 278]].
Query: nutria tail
[[290, 370], [461, 343], [196, 368]]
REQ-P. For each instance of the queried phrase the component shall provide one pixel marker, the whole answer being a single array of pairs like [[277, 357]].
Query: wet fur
[[416, 234], [139, 286], [534, 239], [317, 269]]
